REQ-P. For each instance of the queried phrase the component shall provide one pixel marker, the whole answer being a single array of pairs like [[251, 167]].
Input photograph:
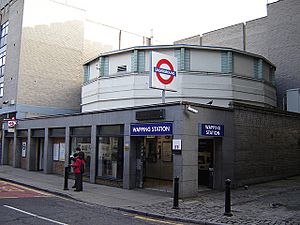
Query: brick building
[[276, 37]]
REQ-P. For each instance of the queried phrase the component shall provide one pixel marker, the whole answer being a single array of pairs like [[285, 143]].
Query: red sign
[[160, 78], [11, 123]]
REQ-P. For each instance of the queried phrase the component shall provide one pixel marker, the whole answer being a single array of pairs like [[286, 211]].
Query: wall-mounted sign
[[176, 144], [150, 114], [145, 129], [215, 130], [11, 123], [163, 72], [23, 150]]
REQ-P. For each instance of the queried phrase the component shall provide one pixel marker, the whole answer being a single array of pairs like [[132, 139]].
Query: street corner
[[10, 190]]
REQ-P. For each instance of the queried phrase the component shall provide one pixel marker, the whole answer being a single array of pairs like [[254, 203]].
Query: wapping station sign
[[145, 129], [215, 130], [163, 72]]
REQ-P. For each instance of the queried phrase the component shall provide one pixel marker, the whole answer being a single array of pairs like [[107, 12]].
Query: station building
[[220, 123]]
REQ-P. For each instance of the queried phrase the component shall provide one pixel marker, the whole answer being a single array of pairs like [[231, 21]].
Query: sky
[[171, 20]]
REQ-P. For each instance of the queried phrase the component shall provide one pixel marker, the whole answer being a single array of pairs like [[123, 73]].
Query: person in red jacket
[[77, 165], [74, 157]]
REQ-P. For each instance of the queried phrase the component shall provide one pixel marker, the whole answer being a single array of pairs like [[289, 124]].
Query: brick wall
[[231, 36], [276, 37], [267, 144]]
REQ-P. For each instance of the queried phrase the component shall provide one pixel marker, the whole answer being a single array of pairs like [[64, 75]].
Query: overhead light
[[191, 109]]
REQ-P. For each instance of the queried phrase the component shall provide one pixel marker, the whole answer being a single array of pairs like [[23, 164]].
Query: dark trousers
[[78, 181]]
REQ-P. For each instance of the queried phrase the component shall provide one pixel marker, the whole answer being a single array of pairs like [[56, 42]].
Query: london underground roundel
[[163, 71], [169, 72]]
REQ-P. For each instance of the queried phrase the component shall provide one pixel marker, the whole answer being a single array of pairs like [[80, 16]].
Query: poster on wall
[[24, 146], [55, 151], [166, 151], [62, 151]]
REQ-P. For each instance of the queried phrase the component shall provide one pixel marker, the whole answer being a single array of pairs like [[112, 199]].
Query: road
[[21, 205]]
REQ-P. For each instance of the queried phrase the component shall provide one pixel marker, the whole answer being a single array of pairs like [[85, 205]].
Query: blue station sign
[[215, 130], [144, 129]]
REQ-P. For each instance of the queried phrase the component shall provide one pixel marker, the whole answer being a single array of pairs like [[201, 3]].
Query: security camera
[[190, 109], [5, 102]]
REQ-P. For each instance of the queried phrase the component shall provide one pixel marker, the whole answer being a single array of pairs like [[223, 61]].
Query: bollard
[[176, 193], [67, 168], [227, 198]]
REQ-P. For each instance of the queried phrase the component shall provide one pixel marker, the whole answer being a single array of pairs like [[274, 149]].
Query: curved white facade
[[219, 74]]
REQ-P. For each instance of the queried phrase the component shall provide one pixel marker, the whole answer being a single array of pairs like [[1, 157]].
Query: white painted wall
[[94, 72], [206, 60], [243, 65], [203, 83], [119, 60], [162, 51]]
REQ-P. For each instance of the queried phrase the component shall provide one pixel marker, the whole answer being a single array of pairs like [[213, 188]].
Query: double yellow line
[[157, 221]]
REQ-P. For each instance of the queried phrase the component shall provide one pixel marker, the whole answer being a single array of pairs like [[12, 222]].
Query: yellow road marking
[[157, 221], [24, 187]]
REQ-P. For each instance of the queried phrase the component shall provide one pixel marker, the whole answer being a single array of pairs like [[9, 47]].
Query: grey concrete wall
[[267, 144], [223, 151]]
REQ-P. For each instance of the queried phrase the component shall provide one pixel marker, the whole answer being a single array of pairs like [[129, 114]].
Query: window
[[110, 152], [272, 75], [258, 68], [4, 32], [110, 157], [138, 61], [59, 151], [103, 66], [86, 73], [2, 63], [183, 59], [1, 90]]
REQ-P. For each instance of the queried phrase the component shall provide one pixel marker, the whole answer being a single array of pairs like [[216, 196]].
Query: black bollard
[[176, 193], [227, 198], [67, 168]]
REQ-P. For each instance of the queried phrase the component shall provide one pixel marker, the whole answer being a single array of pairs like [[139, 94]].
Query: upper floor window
[[103, 66], [1, 90], [2, 63], [183, 59], [4, 32]]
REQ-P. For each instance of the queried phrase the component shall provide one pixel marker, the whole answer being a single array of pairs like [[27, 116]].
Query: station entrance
[[154, 162], [205, 162]]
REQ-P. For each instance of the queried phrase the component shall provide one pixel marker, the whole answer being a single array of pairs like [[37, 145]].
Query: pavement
[[276, 202]]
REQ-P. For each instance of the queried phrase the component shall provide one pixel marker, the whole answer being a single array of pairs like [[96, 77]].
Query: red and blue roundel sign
[[163, 71]]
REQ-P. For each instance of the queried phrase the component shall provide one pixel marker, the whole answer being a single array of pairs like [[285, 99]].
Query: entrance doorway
[[205, 162], [154, 162], [40, 154], [10, 151]]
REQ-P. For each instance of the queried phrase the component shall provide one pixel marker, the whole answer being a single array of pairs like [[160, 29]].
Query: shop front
[[110, 154], [58, 146], [81, 137]]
